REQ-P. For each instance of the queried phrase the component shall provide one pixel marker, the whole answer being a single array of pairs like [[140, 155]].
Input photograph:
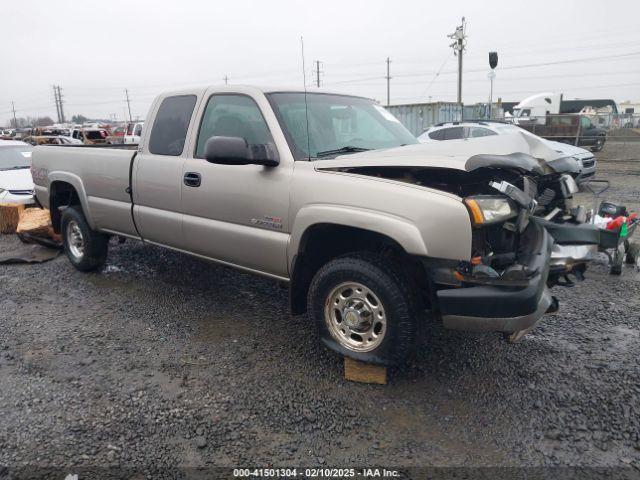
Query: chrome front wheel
[[355, 317]]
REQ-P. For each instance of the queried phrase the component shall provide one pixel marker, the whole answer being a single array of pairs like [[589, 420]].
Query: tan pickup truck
[[329, 193]]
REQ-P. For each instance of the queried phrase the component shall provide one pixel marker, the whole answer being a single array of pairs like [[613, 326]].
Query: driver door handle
[[192, 179]]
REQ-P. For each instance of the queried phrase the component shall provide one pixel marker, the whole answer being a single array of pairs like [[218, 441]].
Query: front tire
[[86, 249], [599, 145], [363, 307]]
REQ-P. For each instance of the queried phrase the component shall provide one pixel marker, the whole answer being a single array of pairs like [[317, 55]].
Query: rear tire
[[364, 308], [86, 249]]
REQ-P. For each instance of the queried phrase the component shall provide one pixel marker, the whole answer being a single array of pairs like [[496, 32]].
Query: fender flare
[[399, 229], [76, 182]]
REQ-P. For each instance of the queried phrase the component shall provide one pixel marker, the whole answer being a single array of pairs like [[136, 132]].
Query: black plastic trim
[[492, 305]]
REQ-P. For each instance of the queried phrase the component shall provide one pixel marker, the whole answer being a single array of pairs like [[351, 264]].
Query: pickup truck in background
[[133, 132], [574, 129], [331, 194]]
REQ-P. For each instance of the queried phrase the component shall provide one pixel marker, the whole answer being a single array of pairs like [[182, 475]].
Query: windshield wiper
[[337, 151], [15, 168]]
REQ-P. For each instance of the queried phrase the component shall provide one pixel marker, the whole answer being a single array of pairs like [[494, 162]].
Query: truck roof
[[254, 89]]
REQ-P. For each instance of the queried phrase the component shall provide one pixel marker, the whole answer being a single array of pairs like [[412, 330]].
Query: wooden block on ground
[[364, 372], [36, 222], [10, 217]]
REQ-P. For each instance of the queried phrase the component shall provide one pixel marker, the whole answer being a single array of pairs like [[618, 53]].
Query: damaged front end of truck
[[526, 238]]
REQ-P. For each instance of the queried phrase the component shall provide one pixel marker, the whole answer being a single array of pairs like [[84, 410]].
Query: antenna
[[306, 108]]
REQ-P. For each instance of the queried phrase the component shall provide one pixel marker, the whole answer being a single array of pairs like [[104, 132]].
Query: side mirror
[[236, 151]]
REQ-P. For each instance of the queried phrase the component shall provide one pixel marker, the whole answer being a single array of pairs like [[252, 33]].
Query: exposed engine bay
[[535, 191]]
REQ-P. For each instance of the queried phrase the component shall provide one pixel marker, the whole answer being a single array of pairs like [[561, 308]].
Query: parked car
[[6, 134], [16, 184], [332, 195], [51, 140], [585, 159], [133, 133]]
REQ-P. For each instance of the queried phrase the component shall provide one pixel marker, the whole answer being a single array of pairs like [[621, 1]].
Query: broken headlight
[[487, 209]]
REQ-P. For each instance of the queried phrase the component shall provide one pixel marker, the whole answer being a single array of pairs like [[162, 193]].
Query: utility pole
[[60, 103], [459, 43], [226, 79], [55, 97], [388, 77], [128, 102], [317, 62], [15, 122], [493, 63]]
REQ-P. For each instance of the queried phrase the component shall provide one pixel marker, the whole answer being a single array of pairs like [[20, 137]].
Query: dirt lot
[[163, 360]]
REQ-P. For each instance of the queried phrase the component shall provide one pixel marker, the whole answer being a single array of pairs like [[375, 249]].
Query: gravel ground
[[163, 360]]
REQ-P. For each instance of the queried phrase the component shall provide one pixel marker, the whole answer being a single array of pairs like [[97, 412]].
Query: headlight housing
[[488, 209], [568, 185]]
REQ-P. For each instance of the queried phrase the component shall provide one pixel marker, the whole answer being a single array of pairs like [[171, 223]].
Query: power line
[[435, 76], [530, 65]]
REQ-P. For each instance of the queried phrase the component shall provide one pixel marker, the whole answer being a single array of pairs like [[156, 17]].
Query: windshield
[[521, 112], [338, 124], [15, 157]]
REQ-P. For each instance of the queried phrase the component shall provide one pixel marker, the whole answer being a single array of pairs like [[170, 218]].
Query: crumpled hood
[[16, 179], [452, 154]]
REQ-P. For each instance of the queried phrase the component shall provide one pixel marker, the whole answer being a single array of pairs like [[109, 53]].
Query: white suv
[[484, 128]]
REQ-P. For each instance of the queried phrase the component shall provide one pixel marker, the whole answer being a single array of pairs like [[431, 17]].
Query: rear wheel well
[[323, 242], [61, 194]]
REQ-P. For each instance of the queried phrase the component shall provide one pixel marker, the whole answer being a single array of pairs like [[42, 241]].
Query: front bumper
[[17, 199], [504, 308], [588, 169]]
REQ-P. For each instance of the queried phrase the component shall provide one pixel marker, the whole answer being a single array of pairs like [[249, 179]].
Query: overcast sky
[[94, 50]]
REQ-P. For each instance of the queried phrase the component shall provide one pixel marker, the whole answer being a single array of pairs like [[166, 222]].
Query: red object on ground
[[616, 223]]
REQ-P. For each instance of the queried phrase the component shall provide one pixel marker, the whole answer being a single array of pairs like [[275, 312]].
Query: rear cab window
[[169, 130]]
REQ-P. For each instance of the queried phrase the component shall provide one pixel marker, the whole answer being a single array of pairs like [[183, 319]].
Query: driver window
[[232, 116]]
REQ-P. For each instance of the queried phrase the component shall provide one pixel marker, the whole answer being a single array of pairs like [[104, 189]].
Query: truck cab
[[133, 133], [535, 108]]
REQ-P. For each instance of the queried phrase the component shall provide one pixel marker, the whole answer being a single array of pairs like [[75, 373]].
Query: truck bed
[[100, 174]]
